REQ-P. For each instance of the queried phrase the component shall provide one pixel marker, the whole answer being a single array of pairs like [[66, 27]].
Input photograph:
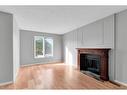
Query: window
[[43, 47], [38, 46], [48, 47]]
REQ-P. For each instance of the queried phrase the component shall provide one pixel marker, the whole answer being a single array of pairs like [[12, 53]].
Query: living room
[[63, 47]]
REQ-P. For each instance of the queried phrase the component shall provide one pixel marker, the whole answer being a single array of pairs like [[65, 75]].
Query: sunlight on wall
[[68, 59]]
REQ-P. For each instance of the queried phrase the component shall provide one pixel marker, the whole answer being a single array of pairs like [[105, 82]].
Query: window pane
[[49, 47], [38, 40]]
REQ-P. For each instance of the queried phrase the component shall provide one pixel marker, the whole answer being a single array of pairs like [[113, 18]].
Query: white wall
[[27, 48], [99, 34], [6, 47], [16, 49], [121, 47]]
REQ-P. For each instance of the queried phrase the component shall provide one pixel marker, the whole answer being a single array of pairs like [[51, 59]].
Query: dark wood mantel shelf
[[103, 53], [94, 48]]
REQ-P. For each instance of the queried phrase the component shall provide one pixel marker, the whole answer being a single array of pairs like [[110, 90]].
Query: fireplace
[[94, 62]]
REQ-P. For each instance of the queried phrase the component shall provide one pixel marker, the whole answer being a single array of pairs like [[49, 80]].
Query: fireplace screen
[[90, 62]]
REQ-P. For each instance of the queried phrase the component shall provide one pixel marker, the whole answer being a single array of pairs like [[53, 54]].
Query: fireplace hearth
[[94, 62]]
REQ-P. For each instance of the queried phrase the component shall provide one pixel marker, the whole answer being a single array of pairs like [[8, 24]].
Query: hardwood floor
[[56, 76]]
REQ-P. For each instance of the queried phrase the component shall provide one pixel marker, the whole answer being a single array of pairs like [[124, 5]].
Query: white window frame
[[35, 48], [44, 55]]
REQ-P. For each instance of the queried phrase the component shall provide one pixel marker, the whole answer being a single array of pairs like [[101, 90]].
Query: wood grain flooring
[[56, 76]]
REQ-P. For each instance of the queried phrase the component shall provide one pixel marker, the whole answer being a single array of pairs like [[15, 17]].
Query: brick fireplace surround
[[103, 53]]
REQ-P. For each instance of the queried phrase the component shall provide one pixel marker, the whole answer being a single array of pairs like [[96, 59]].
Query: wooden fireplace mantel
[[103, 53]]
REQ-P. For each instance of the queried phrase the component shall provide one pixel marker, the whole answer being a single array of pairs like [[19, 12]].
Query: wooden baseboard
[[118, 83], [115, 83], [121, 83], [41, 64], [6, 83]]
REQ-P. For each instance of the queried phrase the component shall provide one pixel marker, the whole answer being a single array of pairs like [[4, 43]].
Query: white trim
[[44, 55], [43, 47], [121, 82], [6, 83], [16, 75], [35, 47], [32, 64], [39, 57]]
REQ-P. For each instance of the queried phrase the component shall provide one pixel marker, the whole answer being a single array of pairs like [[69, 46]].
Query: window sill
[[43, 57], [38, 57]]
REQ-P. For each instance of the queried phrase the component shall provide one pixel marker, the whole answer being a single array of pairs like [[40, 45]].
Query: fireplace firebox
[[90, 62], [94, 61]]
